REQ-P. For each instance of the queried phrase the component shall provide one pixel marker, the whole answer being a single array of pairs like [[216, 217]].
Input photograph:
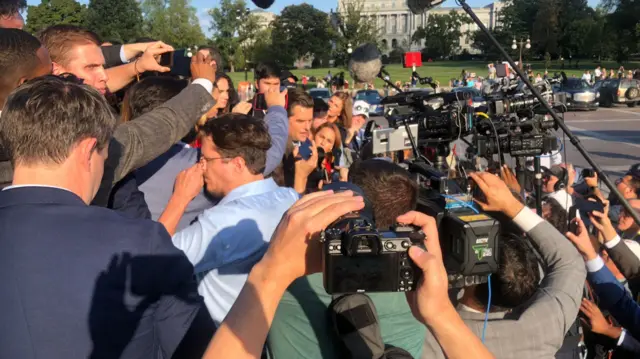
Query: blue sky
[[325, 5]]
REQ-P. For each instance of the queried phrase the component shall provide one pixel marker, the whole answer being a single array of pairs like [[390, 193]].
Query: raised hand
[[189, 182], [498, 196], [148, 62], [201, 67], [295, 249], [582, 241]]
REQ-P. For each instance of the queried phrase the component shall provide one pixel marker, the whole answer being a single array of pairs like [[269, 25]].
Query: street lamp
[[349, 49], [522, 45]]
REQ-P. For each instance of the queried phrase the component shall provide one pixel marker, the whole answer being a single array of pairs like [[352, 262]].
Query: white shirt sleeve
[[123, 57], [595, 264], [208, 85]]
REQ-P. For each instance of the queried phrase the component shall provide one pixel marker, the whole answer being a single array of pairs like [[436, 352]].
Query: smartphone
[[181, 63], [259, 103], [573, 225], [304, 150], [166, 59]]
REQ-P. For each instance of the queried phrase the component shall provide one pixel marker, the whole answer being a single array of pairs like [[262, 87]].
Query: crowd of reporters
[[149, 214]]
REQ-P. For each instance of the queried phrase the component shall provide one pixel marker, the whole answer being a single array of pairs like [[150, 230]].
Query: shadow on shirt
[[245, 247], [148, 296]]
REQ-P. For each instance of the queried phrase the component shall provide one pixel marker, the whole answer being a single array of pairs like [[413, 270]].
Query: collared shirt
[[35, 185], [230, 238]]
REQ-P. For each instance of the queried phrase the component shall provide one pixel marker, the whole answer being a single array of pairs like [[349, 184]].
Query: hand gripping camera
[[358, 258]]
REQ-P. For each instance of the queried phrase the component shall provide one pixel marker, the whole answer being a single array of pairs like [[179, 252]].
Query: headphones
[[562, 181]]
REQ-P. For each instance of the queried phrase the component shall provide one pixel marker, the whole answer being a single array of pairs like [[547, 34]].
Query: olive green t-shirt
[[302, 328]]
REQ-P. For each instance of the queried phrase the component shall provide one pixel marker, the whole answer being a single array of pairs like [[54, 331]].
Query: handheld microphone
[[263, 4], [421, 6], [365, 63]]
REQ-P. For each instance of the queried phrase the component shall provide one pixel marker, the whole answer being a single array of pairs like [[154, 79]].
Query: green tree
[[624, 19], [172, 21], [545, 34], [442, 34], [517, 17], [481, 42], [301, 31], [353, 28], [54, 12], [234, 31], [115, 19]]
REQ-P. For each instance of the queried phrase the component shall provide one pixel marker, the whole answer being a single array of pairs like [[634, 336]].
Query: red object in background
[[412, 59], [502, 70]]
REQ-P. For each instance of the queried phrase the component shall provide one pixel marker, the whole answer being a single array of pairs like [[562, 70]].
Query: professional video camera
[[506, 96]]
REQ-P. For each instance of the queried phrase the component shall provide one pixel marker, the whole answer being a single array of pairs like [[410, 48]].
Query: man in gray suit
[[526, 319], [136, 143]]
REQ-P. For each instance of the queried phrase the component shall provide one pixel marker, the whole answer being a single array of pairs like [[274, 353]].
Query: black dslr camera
[[358, 258]]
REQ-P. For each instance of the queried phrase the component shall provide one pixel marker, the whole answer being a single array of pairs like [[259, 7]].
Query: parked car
[[619, 91], [473, 93], [320, 93], [580, 95], [373, 98]]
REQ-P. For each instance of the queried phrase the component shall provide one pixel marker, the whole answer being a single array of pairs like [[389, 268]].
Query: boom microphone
[[365, 63], [420, 6], [263, 4]]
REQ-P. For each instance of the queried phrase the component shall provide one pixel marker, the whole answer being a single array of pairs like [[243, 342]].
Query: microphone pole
[[388, 82], [572, 138]]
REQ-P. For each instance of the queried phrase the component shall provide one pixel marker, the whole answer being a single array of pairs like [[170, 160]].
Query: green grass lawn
[[443, 71]]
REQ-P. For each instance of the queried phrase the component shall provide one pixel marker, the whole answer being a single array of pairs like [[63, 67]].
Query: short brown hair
[[46, 117], [60, 39], [237, 135], [18, 58], [298, 97], [388, 186]]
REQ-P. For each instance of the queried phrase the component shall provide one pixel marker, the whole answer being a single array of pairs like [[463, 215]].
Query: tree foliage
[[54, 12], [115, 19], [353, 28], [172, 21], [234, 31], [301, 31], [568, 28], [442, 34]]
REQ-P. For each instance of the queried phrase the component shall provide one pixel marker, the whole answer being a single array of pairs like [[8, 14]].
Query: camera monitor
[[391, 139]]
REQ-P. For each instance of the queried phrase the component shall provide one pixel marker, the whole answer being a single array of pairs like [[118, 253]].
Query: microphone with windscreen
[[263, 4], [365, 63], [421, 6]]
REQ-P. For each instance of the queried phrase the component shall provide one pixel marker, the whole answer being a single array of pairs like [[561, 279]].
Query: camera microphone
[[421, 6], [263, 4], [365, 63]]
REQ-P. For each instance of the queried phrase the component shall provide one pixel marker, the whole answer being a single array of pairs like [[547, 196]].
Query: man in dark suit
[[81, 281]]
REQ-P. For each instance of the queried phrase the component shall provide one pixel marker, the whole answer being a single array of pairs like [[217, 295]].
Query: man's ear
[[86, 149], [238, 164], [58, 69]]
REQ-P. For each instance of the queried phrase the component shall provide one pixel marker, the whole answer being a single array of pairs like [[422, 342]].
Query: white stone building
[[265, 18], [397, 24]]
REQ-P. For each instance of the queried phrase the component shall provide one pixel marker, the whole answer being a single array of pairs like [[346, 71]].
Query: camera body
[[358, 258]]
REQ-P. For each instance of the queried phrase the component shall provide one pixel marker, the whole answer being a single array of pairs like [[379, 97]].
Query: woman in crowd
[[327, 137], [311, 174], [227, 101], [340, 106]]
